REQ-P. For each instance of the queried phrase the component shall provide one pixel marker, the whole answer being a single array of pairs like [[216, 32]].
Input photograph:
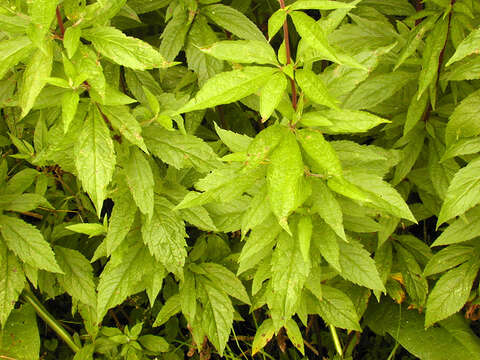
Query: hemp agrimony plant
[[197, 177]]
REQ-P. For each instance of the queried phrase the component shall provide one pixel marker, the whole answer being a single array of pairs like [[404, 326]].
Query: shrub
[[196, 177]]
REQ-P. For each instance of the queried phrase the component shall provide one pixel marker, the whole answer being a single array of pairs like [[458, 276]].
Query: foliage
[[198, 177]]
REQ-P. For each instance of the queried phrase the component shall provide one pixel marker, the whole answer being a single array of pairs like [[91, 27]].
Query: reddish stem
[[289, 57], [427, 112], [418, 8], [60, 21]]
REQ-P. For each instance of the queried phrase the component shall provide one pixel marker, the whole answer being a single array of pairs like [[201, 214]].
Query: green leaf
[[275, 22], [14, 24], [233, 21], [463, 192], [164, 234], [188, 296], [13, 51], [382, 195], [95, 157], [347, 189], [228, 87], [226, 281], [434, 44], [261, 240], [86, 62], [71, 40], [341, 121], [319, 5], [257, 213], [112, 97], [263, 335], [19, 338], [325, 240], [326, 205], [287, 188], [464, 120], [153, 279], [27, 242], [295, 336], [314, 88], [85, 353], [12, 282], [272, 94], [377, 89], [415, 282], [242, 51], [314, 119], [289, 273], [235, 142], [77, 277], [324, 159], [468, 46], [124, 50], [414, 40], [221, 185], [152, 101], [180, 150], [89, 229], [452, 340], [410, 152], [169, 309], [416, 111], [463, 229], [35, 77], [22, 202], [337, 309], [217, 319], [70, 102], [466, 70], [462, 147], [155, 344], [200, 35], [358, 267], [365, 158], [121, 275], [263, 144], [140, 181], [42, 13], [304, 232], [121, 220], [125, 122], [311, 32], [448, 258], [442, 301], [173, 36]]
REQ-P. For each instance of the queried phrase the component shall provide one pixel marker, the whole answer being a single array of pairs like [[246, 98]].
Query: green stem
[[336, 340], [50, 320], [394, 350]]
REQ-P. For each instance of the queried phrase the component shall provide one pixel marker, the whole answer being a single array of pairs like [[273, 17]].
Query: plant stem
[[426, 114], [289, 56], [50, 320], [336, 340], [394, 350], [60, 21]]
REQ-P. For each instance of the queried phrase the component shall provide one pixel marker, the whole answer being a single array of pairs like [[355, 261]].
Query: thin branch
[[32, 214], [50, 320], [336, 340], [60, 21], [289, 56], [311, 347], [428, 110], [418, 8]]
